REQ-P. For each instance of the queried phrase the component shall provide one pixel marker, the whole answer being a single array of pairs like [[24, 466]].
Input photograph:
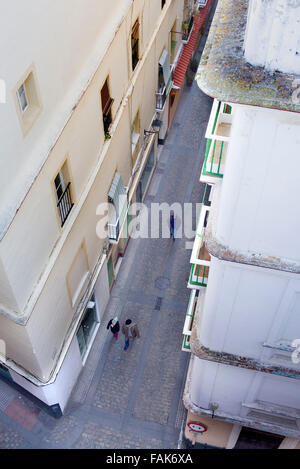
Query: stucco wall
[[259, 210]]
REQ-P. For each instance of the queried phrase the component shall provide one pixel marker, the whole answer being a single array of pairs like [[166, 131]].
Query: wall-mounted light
[[213, 406]]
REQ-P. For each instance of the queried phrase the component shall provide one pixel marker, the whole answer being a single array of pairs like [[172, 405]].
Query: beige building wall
[[37, 255]]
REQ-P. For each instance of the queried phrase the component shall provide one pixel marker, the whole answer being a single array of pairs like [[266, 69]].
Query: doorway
[[251, 438]]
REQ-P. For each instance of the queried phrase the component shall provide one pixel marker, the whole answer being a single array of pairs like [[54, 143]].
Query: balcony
[[200, 258], [115, 228], [64, 205], [114, 231], [214, 161], [189, 319], [164, 91], [218, 136], [187, 30], [220, 120]]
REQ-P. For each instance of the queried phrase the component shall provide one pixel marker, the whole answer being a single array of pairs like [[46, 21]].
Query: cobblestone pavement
[[133, 398]]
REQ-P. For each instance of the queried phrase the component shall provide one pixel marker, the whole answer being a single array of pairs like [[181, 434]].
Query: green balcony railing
[[186, 344], [216, 148], [199, 275], [212, 166]]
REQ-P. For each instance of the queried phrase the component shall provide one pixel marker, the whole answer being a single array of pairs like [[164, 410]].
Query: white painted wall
[[248, 306], [59, 391], [272, 35], [259, 208], [230, 387]]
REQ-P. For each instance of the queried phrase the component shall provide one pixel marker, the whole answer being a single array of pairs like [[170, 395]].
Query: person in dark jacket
[[130, 331], [172, 226], [114, 326]]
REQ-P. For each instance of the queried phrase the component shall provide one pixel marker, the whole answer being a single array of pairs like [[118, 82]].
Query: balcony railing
[[114, 228], [114, 231], [200, 258], [189, 319], [215, 159], [186, 34], [220, 120], [162, 94], [199, 275], [217, 134], [64, 205]]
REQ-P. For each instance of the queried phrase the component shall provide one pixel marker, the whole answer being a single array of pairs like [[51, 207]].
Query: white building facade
[[243, 320]]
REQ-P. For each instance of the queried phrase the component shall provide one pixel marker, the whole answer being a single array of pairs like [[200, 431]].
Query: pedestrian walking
[[130, 331], [114, 326], [172, 226]]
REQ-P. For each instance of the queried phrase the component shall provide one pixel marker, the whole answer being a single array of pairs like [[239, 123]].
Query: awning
[[183, 62]]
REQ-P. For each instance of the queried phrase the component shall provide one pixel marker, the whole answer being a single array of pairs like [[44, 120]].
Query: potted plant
[[185, 28]]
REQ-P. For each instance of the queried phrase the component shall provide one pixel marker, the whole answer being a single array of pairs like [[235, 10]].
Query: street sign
[[197, 427]]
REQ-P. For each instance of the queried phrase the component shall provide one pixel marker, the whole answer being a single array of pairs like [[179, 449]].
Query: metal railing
[[162, 94], [186, 33], [65, 204], [199, 276], [213, 167], [114, 230]]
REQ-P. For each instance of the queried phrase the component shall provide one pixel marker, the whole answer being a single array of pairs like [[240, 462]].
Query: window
[[135, 136], [107, 102], [135, 44], [28, 101], [23, 100], [63, 195]]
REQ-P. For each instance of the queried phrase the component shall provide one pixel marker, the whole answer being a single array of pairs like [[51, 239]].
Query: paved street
[[133, 398]]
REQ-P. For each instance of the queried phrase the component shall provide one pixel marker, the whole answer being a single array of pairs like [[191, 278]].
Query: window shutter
[[164, 62]]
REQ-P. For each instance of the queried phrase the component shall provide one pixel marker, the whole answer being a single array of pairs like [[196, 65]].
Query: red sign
[[197, 427]]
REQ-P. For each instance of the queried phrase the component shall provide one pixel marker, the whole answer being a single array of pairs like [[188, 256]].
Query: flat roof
[[224, 74]]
